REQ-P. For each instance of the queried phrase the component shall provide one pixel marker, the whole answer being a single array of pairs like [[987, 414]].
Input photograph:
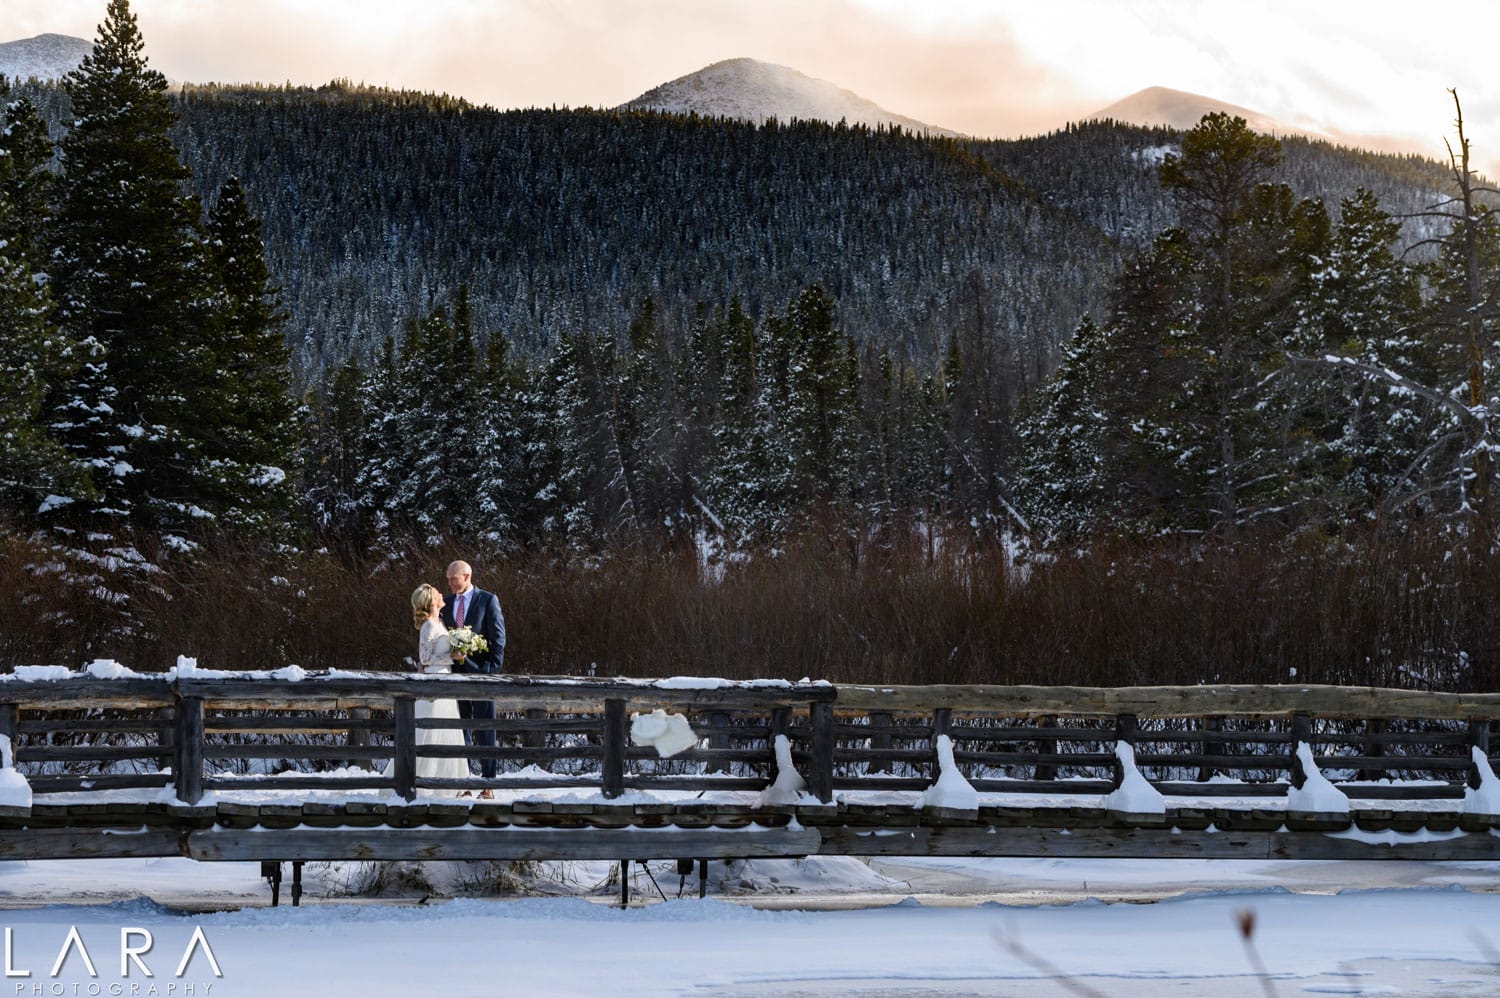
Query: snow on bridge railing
[[105, 726]]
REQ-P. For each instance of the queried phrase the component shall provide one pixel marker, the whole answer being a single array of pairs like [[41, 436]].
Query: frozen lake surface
[[785, 928]]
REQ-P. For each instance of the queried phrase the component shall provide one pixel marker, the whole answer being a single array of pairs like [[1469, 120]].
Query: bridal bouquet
[[465, 642]]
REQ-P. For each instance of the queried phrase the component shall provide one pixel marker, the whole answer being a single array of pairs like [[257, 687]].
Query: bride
[[435, 656]]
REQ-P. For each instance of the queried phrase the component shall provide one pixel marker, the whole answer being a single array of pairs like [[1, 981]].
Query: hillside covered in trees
[[309, 337], [377, 206]]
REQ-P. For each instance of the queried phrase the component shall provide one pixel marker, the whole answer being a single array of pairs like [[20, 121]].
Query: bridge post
[[1127, 730], [188, 755], [404, 751], [8, 725], [942, 723], [1301, 732], [1479, 737], [166, 725], [820, 758], [881, 741], [359, 736], [1211, 747], [781, 719], [613, 769], [718, 741], [1045, 750], [534, 737], [1372, 746]]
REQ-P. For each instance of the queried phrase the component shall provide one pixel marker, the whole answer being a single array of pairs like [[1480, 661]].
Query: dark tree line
[[378, 207], [740, 434], [1267, 360]]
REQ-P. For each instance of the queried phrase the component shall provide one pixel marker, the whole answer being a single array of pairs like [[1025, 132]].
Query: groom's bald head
[[459, 574]]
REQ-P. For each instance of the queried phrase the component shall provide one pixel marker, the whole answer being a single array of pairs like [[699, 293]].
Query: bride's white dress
[[434, 657]]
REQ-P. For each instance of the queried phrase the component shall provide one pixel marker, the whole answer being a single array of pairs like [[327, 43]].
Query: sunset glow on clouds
[[986, 67]]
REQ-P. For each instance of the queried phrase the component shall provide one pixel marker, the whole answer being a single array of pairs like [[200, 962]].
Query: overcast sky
[[986, 67]]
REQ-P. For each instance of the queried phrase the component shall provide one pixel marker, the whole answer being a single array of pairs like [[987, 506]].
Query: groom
[[480, 611]]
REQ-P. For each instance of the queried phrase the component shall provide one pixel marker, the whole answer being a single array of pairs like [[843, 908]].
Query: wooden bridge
[[292, 766]]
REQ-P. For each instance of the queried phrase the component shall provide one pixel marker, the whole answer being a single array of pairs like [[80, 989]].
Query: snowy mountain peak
[[755, 91], [47, 57], [1180, 109]]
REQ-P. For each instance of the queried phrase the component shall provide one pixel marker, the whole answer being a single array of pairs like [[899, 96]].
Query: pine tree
[[698, 373], [1233, 224], [499, 498], [1206, 427], [661, 460], [817, 403], [981, 444], [558, 417], [382, 449], [129, 275], [26, 180], [245, 412], [424, 494], [1068, 481], [1363, 302], [37, 471], [331, 460], [740, 475]]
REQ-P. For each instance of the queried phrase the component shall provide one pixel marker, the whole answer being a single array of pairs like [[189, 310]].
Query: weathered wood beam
[[296, 750], [820, 752], [188, 756], [404, 757], [613, 769], [97, 843], [507, 843], [1345, 702], [1151, 843], [516, 693]]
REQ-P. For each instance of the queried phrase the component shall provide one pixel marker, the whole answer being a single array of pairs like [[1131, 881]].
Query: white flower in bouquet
[[465, 642]]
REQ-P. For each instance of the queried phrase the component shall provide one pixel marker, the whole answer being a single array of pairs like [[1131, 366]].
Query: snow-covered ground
[[783, 928]]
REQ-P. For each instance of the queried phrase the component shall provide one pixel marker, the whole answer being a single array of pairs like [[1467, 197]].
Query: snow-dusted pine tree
[[128, 272], [26, 179], [331, 459], [245, 427], [35, 470], [498, 500], [1066, 475], [814, 400]]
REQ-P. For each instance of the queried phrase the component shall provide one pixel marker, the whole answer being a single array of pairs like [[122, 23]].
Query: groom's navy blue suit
[[482, 614]]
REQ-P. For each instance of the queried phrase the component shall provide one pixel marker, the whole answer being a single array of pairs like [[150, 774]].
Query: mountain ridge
[[751, 90], [44, 57], [1180, 109]]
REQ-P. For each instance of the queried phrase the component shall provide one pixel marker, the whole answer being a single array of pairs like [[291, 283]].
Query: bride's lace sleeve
[[435, 649]]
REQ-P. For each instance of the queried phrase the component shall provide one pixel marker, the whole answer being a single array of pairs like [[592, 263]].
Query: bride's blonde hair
[[422, 599]]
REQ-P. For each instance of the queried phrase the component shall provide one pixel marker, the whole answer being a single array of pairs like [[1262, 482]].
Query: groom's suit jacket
[[482, 614]]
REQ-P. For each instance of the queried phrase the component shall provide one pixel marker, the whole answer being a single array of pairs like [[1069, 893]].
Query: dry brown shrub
[[1408, 609]]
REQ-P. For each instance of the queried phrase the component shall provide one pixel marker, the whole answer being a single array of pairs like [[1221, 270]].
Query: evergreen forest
[[1110, 405]]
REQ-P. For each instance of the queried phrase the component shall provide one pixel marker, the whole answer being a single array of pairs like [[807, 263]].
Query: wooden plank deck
[[707, 829]]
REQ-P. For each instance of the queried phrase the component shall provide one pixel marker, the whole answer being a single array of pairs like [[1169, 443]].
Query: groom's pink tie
[[458, 612]]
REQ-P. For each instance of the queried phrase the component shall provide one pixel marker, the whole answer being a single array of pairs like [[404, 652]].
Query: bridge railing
[[204, 731]]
